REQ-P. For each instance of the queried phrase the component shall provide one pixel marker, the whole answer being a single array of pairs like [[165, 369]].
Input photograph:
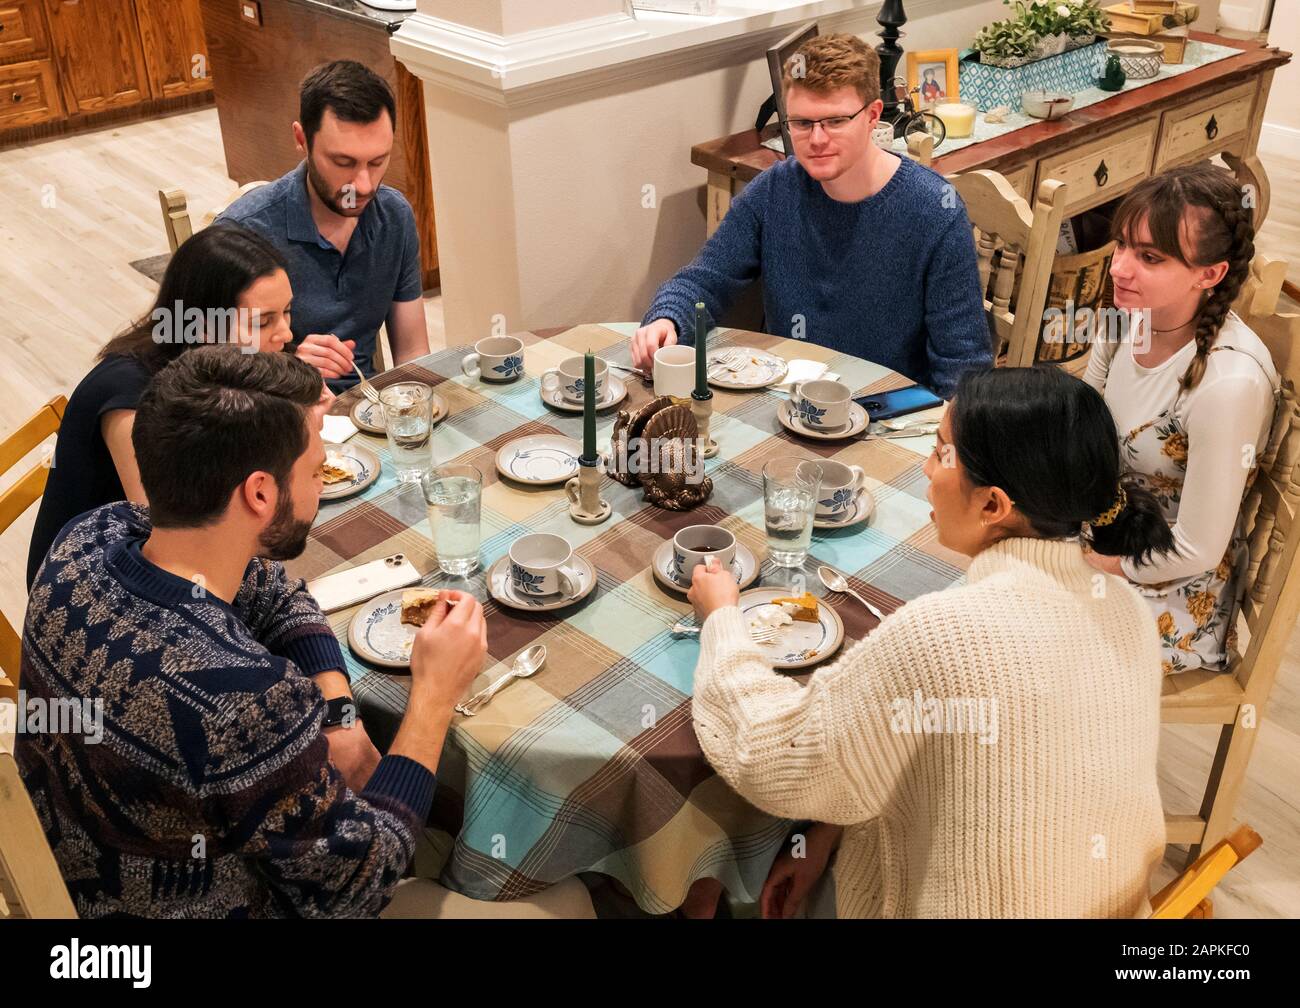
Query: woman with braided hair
[[1192, 391]]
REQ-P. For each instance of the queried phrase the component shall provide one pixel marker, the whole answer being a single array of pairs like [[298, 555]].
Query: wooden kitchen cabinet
[[97, 48], [175, 51]]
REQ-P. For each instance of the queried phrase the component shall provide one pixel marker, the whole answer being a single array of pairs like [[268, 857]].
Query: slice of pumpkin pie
[[802, 609]]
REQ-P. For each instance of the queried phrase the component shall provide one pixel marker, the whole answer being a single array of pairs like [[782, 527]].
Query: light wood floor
[[66, 285]]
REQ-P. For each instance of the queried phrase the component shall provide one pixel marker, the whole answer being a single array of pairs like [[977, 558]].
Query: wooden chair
[[1188, 896], [176, 212], [30, 883], [1015, 247], [1235, 700], [13, 502]]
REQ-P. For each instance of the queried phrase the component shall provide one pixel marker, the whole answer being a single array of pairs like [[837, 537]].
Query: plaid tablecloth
[[592, 764]]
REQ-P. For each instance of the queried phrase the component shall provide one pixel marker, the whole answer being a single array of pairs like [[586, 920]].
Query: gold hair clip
[[1111, 513]]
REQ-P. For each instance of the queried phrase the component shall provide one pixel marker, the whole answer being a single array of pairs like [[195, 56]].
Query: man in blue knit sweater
[[211, 792], [858, 249]]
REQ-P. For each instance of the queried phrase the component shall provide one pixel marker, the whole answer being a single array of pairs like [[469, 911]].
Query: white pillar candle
[[958, 117]]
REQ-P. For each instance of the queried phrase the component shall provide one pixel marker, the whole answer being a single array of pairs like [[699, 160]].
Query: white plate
[[615, 393], [370, 416], [356, 458], [858, 510], [745, 566], [377, 633], [797, 645], [540, 459], [857, 423], [500, 588], [763, 369]]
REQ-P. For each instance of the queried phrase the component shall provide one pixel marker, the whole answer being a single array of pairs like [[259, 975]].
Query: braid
[[1239, 224]]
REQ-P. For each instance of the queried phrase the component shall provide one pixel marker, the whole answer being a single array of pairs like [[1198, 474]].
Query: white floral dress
[[1195, 616]]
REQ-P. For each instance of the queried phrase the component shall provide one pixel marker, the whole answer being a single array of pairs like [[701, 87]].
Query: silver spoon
[[525, 665], [897, 424], [837, 582], [643, 375]]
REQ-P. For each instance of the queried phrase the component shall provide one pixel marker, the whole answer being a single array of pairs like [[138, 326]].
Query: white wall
[[540, 200], [1281, 132]]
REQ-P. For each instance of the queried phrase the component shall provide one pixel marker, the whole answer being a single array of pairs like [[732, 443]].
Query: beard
[[286, 537], [333, 200]]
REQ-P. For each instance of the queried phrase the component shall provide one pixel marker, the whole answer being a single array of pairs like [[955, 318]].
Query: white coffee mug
[[821, 404], [541, 563], [496, 358], [694, 544], [840, 485], [674, 371], [568, 378]]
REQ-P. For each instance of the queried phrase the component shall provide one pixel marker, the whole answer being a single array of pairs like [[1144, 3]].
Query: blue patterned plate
[[378, 635], [797, 645], [359, 460], [615, 393], [539, 459], [858, 422], [369, 416], [760, 369]]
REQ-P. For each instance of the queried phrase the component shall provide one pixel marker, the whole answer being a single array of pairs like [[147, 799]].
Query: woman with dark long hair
[[224, 284], [1193, 393], [989, 750]]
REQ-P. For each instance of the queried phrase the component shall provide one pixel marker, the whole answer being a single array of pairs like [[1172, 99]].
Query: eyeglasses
[[831, 124]]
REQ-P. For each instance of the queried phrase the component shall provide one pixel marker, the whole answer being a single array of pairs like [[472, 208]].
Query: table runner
[[592, 765]]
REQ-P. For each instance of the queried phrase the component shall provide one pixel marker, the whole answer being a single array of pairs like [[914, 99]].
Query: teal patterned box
[[987, 87]]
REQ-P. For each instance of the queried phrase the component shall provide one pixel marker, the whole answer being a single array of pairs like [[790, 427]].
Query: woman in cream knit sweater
[[989, 750]]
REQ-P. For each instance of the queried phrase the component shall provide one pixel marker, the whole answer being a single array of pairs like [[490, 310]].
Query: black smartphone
[[899, 402]]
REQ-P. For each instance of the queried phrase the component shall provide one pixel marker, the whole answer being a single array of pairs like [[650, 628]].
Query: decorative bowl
[[1139, 58], [1046, 104]]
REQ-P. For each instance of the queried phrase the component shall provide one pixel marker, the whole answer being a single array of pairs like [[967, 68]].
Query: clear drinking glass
[[790, 488], [408, 419], [454, 495]]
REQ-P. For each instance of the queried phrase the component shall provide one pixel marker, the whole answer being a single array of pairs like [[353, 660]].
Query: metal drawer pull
[[1211, 129], [17, 97], [1101, 174]]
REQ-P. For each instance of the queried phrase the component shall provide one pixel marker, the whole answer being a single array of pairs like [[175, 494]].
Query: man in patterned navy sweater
[[212, 792]]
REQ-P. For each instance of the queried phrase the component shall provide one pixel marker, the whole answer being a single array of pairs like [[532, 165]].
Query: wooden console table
[[1102, 151]]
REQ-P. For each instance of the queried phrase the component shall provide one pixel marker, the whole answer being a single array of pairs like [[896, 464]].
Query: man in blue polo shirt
[[351, 243]]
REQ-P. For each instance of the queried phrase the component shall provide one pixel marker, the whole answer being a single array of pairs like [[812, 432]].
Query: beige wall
[[540, 206], [1283, 109]]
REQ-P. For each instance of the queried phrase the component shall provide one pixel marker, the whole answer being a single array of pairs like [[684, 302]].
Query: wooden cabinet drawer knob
[[17, 97]]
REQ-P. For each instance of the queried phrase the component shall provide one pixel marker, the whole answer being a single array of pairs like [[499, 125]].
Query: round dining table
[[591, 764]]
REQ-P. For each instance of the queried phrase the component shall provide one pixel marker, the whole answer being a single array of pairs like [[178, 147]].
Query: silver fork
[[367, 389], [764, 636], [728, 360]]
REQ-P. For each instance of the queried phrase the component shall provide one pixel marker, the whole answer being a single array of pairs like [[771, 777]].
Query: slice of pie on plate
[[417, 604], [802, 609], [332, 472]]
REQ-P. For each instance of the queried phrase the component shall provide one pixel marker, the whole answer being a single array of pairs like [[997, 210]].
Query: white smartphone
[[338, 591]]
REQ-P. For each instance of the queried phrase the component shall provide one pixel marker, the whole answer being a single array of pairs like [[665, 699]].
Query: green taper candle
[[589, 407], [701, 353]]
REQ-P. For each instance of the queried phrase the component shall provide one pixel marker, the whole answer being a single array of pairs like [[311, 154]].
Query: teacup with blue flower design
[[541, 563], [694, 544], [821, 404], [568, 378], [496, 358], [840, 486]]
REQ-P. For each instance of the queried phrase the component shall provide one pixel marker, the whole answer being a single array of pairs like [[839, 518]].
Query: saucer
[[370, 416], [857, 423], [363, 463], [763, 369], [859, 509], [540, 459], [745, 566], [500, 587], [798, 645], [615, 393]]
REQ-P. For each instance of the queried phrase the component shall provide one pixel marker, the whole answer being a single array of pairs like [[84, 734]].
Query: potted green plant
[[1006, 43]]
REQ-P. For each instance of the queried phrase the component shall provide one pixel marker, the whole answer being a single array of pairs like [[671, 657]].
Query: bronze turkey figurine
[[655, 447]]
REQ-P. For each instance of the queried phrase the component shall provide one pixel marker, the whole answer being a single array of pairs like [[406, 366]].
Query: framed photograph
[[935, 73], [776, 57]]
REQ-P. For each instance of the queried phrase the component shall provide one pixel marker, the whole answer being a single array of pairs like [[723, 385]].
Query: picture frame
[[935, 71], [776, 57]]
